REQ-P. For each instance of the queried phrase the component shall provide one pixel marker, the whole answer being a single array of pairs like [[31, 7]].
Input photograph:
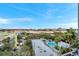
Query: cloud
[[69, 25], [49, 12], [4, 21], [73, 22], [25, 19], [11, 21]]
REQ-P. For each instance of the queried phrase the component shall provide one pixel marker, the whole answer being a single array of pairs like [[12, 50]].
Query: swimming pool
[[52, 44]]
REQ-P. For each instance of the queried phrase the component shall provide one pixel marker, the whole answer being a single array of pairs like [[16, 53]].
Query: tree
[[76, 44], [70, 36], [64, 50], [58, 38], [7, 45]]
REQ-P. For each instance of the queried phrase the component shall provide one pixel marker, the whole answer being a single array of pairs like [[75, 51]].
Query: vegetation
[[65, 50], [26, 49]]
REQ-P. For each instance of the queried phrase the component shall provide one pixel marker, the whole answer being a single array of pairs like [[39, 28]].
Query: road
[[41, 49]]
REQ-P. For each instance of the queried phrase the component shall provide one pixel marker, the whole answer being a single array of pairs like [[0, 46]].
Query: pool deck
[[40, 49]]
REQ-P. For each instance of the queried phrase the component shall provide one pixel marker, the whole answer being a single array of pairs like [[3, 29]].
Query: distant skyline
[[38, 15]]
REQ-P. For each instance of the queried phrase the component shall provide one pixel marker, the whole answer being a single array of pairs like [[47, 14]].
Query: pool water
[[52, 44]]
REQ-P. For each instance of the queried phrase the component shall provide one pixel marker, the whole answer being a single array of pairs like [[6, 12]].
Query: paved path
[[41, 49]]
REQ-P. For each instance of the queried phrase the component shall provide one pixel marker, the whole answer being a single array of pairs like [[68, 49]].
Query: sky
[[38, 15]]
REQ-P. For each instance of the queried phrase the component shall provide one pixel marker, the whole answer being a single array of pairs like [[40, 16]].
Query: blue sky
[[38, 15]]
